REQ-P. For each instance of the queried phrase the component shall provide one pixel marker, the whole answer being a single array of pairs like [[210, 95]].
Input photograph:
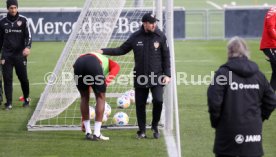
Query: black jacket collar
[[12, 18], [157, 31]]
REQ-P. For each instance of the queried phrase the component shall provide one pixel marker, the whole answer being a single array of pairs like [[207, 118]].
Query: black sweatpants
[[20, 65], [141, 95], [271, 54], [1, 90]]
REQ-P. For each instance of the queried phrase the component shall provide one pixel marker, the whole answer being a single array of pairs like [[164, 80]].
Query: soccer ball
[[149, 99], [120, 118], [105, 118], [123, 102], [131, 95], [107, 109], [92, 112]]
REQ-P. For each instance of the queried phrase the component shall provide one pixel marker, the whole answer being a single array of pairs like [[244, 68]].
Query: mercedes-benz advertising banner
[[57, 24]]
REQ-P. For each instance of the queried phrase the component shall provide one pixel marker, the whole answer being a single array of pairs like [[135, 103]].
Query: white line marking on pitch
[[214, 5], [31, 84]]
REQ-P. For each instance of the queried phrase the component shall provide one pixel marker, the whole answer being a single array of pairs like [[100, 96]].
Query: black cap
[[11, 2], [149, 17]]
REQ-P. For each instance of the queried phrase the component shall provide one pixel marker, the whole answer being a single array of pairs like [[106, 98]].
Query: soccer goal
[[106, 23]]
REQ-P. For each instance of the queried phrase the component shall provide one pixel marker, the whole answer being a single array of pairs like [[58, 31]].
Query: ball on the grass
[[123, 102], [107, 109], [105, 118], [120, 118], [131, 95], [92, 112], [149, 99]]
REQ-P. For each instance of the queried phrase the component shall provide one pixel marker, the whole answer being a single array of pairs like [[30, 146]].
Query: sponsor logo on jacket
[[13, 31], [247, 139], [241, 86], [140, 43]]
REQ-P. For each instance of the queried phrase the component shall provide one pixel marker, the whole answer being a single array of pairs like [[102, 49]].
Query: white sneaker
[[100, 138]]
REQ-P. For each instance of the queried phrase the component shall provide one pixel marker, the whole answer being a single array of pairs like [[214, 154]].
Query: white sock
[[87, 126], [97, 128]]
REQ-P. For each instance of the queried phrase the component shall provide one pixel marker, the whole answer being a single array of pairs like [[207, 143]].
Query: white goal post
[[58, 106]]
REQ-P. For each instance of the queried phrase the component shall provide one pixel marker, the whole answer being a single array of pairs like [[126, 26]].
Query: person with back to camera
[[96, 71], [239, 104]]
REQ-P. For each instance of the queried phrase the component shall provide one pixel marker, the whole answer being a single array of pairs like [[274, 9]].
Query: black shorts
[[88, 72]]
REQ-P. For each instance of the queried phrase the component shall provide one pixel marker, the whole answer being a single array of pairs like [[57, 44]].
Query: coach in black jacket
[[151, 70], [239, 99], [15, 42]]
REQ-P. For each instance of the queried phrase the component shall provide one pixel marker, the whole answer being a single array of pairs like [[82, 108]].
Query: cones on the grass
[[21, 98]]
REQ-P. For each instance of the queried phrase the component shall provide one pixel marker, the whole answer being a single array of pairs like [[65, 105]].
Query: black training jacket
[[238, 107], [15, 35], [151, 55]]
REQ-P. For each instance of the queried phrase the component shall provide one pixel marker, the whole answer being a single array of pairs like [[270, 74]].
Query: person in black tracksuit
[[239, 105], [152, 57], [15, 42]]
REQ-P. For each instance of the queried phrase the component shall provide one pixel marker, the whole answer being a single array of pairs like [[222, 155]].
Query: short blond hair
[[237, 47]]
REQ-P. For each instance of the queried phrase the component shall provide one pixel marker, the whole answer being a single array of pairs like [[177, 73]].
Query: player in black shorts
[[93, 70]]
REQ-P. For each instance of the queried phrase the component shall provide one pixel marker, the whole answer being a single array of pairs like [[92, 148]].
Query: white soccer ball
[[149, 99], [92, 112], [107, 109], [105, 118], [123, 102], [131, 95], [120, 118]]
